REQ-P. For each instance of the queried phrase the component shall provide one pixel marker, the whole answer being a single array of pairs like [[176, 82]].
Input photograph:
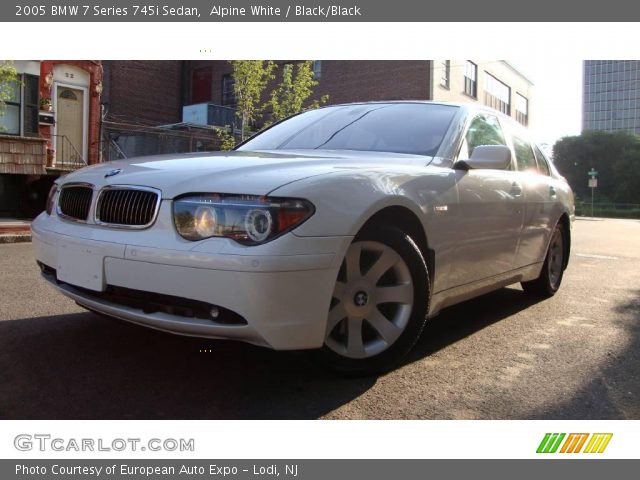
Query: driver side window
[[483, 130]]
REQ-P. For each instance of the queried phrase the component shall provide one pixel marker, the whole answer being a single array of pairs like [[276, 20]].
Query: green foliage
[[8, 79], [616, 158], [289, 97], [226, 138], [250, 79]]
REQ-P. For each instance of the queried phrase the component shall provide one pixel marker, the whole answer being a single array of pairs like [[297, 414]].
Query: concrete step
[[15, 231]]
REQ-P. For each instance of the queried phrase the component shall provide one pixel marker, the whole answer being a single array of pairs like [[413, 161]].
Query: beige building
[[494, 83]]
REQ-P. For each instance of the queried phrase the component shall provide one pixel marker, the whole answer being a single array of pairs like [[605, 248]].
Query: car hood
[[255, 173]]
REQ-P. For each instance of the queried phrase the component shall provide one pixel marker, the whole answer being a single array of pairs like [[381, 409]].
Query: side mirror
[[495, 157]]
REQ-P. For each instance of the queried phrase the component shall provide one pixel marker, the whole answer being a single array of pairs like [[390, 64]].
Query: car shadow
[[464, 319], [84, 366]]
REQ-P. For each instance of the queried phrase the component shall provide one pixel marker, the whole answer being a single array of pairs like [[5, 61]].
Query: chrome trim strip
[[154, 216], [74, 184]]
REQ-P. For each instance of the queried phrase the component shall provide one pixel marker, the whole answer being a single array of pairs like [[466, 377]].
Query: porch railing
[[67, 156]]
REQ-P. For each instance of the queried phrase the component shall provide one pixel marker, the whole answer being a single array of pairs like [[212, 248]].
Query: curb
[[15, 238]]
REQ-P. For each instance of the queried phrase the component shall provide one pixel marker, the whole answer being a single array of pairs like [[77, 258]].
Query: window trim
[[473, 82], [490, 78], [18, 104], [515, 107], [316, 67], [445, 78], [233, 93]]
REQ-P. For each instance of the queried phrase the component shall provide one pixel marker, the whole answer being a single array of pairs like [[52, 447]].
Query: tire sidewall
[[410, 253]]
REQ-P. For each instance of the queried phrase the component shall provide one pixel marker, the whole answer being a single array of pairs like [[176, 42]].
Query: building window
[[497, 95], [20, 115], [10, 117], [471, 79], [522, 109], [317, 69], [228, 92], [446, 70]]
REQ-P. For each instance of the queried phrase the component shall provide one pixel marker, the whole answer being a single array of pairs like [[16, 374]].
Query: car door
[[539, 198], [490, 210]]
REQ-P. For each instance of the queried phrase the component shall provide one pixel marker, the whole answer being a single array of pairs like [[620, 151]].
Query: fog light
[[215, 312]]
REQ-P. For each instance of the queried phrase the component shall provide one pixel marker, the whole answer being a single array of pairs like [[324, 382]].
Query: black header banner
[[317, 11]]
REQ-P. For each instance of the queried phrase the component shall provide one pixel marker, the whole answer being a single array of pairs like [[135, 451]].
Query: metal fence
[[123, 140], [608, 210], [67, 156]]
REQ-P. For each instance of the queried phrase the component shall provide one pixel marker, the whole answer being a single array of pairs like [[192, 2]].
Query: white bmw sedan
[[342, 229]]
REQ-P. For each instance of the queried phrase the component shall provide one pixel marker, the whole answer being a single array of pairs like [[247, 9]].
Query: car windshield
[[410, 128]]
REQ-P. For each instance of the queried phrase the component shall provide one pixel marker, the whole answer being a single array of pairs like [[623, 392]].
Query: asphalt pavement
[[501, 356]]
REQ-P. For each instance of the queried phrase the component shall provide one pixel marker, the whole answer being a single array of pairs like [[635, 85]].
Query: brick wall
[[365, 80], [27, 156], [349, 81], [143, 90]]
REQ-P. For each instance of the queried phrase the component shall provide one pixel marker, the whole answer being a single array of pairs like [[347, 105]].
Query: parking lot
[[503, 356]]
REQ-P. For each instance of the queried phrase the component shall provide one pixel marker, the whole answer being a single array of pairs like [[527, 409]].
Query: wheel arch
[[407, 221], [566, 228]]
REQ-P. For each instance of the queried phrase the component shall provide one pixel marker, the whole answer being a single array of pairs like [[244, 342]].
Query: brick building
[[50, 126]]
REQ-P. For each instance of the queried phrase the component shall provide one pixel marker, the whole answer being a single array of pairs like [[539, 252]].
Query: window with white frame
[[497, 95], [446, 71], [471, 79], [522, 109]]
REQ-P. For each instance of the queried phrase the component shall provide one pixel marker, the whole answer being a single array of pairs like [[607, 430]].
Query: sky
[[557, 96]]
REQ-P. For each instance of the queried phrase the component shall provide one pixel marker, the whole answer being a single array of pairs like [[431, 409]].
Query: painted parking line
[[593, 255]]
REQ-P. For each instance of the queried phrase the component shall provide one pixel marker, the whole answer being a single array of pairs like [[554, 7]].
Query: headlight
[[247, 219], [51, 198]]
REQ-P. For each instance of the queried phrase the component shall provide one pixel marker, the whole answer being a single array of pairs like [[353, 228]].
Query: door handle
[[552, 191], [516, 189]]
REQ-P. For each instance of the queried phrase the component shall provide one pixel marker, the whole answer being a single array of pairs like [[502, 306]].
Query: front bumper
[[284, 298]]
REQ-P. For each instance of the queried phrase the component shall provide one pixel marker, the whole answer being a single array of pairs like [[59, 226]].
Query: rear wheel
[[379, 303], [550, 278]]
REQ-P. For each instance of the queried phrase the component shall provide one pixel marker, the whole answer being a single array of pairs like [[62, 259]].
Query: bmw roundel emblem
[[112, 173]]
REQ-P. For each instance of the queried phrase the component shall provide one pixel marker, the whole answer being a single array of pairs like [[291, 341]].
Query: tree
[[250, 78], [616, 158], [289, 97], [8, 79]]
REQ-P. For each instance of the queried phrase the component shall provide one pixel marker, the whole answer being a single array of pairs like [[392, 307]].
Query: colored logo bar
[[574, 443]]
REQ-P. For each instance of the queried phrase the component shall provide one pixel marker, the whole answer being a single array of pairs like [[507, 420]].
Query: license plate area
[[81, 265]]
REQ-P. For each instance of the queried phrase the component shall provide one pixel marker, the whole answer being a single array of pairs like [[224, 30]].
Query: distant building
[[611, 95]]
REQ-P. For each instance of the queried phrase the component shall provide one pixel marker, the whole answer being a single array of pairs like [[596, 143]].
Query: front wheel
[[550, 278], [379, 303]]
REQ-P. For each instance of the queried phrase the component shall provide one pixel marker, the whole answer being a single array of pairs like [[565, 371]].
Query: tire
[[379, 305], [550, 278]]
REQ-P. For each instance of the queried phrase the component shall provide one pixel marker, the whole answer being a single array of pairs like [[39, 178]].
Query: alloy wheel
[[372, 301]]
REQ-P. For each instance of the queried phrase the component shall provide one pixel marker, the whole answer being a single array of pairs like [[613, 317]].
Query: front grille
[[75, 201], [132, 207]]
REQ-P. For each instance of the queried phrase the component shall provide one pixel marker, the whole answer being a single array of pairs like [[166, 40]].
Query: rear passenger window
[[484, 130], [543, 165], [524, 155]]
